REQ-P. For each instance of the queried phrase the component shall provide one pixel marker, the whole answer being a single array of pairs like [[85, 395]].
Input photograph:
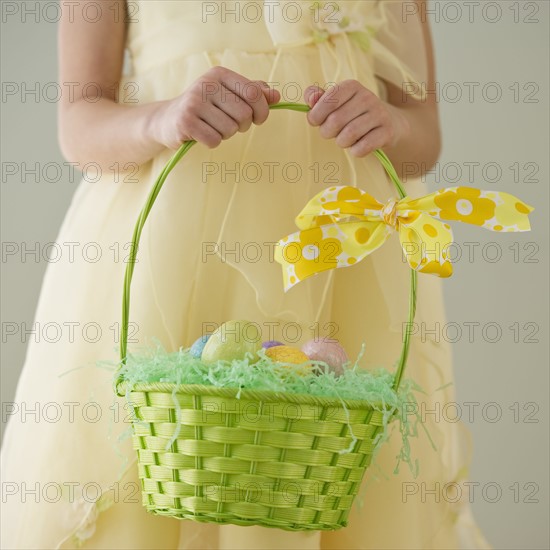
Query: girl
[[209, 71]]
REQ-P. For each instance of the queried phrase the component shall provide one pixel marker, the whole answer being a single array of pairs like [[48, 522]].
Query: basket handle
[[186, 145]]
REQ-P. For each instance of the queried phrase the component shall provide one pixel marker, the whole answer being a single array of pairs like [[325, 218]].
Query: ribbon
[[340, 226]]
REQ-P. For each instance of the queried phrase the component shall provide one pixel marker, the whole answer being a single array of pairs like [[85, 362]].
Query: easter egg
[[271, 344], [198, 345], [232, 340], [288, 354], [328, 351]]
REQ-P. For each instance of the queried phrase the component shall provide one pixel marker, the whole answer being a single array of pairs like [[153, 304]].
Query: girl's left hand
[[356, 117]]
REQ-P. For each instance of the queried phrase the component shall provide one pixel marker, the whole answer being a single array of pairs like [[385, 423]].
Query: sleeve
[[398, 46]]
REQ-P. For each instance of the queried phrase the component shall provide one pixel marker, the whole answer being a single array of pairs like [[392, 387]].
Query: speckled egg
[[329, 351], [271, 344], [232, 340], [198, 345], [288, 354]]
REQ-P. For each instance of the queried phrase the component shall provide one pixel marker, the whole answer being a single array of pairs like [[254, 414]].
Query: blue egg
[[198, 346]]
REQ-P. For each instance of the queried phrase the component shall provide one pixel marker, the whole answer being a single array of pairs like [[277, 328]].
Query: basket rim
[[268, 396]]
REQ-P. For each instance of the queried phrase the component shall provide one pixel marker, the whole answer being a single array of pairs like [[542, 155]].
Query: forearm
[[416, 151], [105, 132], [418, 144]]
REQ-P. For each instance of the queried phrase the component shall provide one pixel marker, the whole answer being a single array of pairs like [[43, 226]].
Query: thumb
[[271, 94], [312, 95]]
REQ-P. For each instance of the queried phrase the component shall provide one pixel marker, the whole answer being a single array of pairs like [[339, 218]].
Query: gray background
[[479, 53]]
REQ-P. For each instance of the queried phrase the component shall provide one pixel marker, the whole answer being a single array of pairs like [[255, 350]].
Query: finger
[[337, 120], [354, 130], [312, 95], [221, 121], [204, 133], [234, 107], [375, 139], [332, 99], [250, 92], [271, 94]]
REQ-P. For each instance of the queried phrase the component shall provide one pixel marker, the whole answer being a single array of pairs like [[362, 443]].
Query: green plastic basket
[[265, 458]]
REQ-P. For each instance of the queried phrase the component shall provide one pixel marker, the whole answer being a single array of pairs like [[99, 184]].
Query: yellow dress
[[206, 257]]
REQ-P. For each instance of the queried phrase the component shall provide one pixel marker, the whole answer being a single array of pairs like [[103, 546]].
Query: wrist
[[152, 124], [401, 126]]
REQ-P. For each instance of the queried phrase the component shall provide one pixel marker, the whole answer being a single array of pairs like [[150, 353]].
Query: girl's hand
[[215, 107], [356, 117]]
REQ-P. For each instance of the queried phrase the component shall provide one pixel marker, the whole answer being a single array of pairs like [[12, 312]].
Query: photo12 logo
[[470, 491], [471, 11], [52, 11]]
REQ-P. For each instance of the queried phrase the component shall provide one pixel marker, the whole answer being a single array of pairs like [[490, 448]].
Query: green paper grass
[[156, 365]]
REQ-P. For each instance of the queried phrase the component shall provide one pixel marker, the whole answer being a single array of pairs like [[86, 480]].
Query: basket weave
[[274, 459], [264, 459]]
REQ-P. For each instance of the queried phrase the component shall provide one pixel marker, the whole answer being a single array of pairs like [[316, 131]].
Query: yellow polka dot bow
[[342, 225]]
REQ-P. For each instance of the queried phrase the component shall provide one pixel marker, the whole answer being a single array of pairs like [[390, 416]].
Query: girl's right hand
[[215, 107]]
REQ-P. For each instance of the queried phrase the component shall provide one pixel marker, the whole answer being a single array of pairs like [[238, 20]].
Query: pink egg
[[328, 351]]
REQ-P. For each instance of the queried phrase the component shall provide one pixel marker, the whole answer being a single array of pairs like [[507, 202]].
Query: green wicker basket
[[265, 458]]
